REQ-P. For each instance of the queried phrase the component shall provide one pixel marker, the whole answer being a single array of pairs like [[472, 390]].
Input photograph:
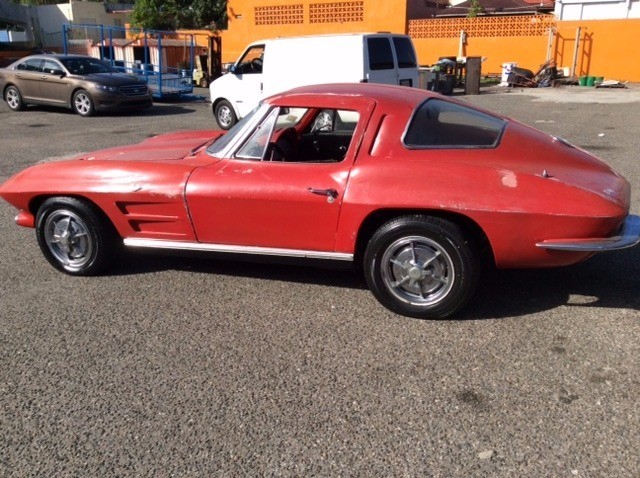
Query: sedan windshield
[[86, 66]]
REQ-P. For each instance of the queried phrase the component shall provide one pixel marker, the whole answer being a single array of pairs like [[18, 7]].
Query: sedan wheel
[[225, 116], [421, 266], [74, 237], [82, 103], [14, 99]]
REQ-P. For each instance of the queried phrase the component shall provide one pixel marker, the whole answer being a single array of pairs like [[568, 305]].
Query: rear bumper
[[628, 236]]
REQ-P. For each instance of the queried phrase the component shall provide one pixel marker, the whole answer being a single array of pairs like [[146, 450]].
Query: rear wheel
[[421, 266], [82, 103], [203, 82], [74, 236], [225, 116], [14, 99]]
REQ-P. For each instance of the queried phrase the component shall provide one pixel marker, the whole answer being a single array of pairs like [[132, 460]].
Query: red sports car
[[416, 189]]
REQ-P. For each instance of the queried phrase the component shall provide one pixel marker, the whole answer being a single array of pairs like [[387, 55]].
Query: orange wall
[[607, 48], [389, 15], [528, 52]]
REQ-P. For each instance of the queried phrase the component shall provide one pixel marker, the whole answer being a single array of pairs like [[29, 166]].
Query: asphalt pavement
[[190, 367]]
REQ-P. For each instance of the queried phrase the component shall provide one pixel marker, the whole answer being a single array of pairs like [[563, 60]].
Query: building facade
[[597, 9]]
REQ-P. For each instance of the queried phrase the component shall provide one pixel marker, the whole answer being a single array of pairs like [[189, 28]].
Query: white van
[[271, 66]]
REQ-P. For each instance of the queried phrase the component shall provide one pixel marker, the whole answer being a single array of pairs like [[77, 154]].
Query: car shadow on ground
[[158, 109], [609, 280]]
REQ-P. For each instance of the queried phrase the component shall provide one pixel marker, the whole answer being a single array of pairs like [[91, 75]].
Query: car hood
[[160, 164], [165, 147], [114, 79]]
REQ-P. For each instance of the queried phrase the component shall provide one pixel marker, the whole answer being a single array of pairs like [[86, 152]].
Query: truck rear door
[[380, 64], [406, 60]]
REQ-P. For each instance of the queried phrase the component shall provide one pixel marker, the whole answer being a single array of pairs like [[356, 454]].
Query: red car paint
[[527, 189]]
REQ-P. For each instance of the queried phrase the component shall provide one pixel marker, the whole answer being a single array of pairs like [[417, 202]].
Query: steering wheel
[[256, 64]]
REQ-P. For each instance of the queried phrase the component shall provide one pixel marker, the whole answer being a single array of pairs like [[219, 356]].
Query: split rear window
[[441, 124]]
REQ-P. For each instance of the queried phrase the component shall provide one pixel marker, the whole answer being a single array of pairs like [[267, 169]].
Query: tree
[[475, 9], [174, 14]]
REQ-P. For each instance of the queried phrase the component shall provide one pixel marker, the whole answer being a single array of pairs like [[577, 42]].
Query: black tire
[[225, 115], [75, 237], [203, 83], [421, 266], [82, 103], [13, 98]]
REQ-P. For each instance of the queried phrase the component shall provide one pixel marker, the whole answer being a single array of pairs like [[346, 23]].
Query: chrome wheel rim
[[417, 270], [13, 98], [67, 237], [82, 103], [225, 116]]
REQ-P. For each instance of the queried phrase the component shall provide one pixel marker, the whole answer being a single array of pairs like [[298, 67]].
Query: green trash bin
[[582, 81], [591, 81]]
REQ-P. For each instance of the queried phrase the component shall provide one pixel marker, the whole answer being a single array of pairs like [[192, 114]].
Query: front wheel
[[225, 116], [74, 237], [82, 103], [421, 266]]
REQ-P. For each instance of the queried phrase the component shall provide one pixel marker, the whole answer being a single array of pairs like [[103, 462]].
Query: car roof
[[326, 35], [56, 56], [374, 91]]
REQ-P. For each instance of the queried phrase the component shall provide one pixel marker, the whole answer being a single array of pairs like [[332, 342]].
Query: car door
[[246, 83], [28, 78], [55, 87], [248, 200]]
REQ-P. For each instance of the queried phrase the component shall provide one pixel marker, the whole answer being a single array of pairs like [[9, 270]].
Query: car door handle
[[332, 193]]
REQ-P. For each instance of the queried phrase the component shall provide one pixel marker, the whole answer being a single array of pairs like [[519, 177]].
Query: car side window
[[301, 135], [251, 61], [326, 135], [33, 64], [441, 124], [52, 67]]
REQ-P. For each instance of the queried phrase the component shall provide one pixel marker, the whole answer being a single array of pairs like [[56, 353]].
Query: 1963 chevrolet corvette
[[416, 189]]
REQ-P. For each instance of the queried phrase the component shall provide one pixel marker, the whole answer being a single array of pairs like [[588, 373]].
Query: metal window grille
[[336, 12], [279, 15]]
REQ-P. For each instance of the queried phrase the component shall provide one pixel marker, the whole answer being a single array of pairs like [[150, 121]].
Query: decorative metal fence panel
[[491, 27], [336, 12], [326, 12], [279, 15]]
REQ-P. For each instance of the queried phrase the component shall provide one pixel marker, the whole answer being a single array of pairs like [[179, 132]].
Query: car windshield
[[221, 143], [86, 66]]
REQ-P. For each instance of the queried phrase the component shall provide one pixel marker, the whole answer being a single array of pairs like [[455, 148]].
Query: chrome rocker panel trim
[[231, 249], [629, 236]]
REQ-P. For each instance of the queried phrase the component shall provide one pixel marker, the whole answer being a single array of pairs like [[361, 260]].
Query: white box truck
[[271, 66]]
